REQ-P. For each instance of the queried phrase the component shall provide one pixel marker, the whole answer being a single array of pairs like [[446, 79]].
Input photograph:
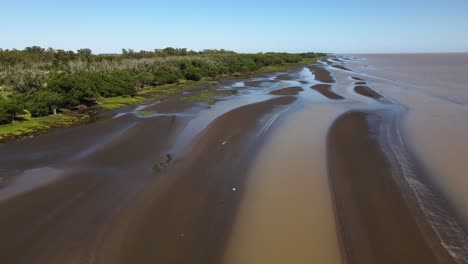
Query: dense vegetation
[[42, 82]]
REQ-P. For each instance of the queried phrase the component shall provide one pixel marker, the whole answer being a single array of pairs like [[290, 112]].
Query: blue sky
[[338, 26]]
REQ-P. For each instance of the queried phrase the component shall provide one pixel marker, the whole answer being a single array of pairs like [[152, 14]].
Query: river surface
[[286, 214], [434, 88]]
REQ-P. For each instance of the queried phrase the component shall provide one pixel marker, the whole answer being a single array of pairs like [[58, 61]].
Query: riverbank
[[30, 126]]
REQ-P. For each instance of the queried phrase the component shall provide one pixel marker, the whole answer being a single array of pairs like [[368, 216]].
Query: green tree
[[84, 52], [34, 49]]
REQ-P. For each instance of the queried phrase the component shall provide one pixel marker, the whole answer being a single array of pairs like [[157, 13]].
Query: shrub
[[9, 109], [192, 73], [75, 88], [144, 78], [44, 103], [164, 75]]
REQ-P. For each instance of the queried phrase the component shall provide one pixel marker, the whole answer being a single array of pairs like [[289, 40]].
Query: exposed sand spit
[[325, 90], [287, 91], [321, 74], [366, 91]]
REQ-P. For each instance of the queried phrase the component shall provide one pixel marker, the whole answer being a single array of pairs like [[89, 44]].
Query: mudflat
[[187, 216], [61, 222], [184, 218]]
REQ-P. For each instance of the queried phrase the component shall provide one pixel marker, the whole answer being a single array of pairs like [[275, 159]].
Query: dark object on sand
[[163, 163]]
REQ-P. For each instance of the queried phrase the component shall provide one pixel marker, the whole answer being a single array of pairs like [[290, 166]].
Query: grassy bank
[[37, 125], [118, 101]]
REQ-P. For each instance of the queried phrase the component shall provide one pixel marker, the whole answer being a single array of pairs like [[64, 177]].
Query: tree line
[[44, 81]]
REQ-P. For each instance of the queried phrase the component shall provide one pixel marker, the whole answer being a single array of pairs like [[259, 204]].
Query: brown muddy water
[[286, 215], [434, 87], [374, 224], [357, 159]]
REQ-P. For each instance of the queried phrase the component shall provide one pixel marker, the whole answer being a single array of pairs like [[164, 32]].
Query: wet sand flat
[[375, 224], [81, 217], [186, 217], [62, 221]]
